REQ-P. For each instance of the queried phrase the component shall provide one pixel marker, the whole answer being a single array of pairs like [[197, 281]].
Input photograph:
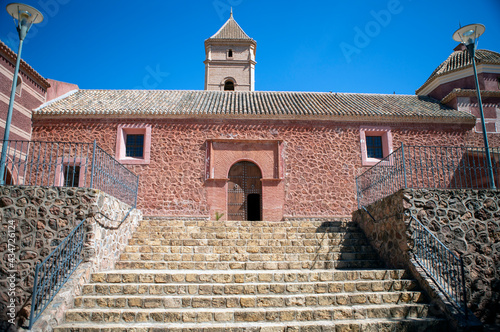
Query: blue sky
[[341, 46]]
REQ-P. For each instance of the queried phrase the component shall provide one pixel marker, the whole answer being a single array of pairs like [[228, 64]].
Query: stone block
[[135, 302], [249, 316], [172, 317], [223, 316]]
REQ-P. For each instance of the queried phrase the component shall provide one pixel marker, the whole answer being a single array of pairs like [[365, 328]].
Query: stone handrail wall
[[41, 218], [466, 221]]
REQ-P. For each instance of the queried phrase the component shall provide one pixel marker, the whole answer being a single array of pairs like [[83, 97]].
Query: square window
[[374, 147], [133, 144], [376, 144]]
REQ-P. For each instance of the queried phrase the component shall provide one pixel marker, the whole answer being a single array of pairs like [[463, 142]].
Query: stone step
[[255, 265], [172, 241], [206, 249], [245, 276], [284, 314], [341, 222], [376, 324], [257, 287], [246, 301], [239, 229], [246, 236], [246, 257]]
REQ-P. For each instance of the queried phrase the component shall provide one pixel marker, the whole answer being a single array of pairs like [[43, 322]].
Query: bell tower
[[230, 59]]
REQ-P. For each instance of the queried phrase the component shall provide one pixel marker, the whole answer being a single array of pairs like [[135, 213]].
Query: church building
[[247, 215], [242, 154]]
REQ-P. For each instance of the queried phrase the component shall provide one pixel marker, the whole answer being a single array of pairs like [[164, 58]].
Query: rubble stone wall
[[38, 219], [466, 221], [320, 158]]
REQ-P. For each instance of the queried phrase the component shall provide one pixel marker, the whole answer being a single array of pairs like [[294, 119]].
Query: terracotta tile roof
[[460, 59], [231, 30], [12, 57], [256, 105]]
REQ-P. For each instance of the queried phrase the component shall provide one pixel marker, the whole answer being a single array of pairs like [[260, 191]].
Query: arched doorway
[[244, 191]]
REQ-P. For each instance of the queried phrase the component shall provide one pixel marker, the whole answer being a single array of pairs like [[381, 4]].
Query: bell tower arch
[[230, 59]]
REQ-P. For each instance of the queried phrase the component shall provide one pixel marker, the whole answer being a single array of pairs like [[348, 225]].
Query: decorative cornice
[[11, 56], [467, 93]]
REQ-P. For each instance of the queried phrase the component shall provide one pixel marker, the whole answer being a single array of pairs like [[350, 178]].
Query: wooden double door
[[244, 192]]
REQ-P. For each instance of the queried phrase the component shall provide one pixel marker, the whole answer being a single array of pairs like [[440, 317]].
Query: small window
[[19, 85], [134, 146], [230, 53], [498, 82], [374, 147], [71, 172], [71, 176], [229, 86], [376, 144]]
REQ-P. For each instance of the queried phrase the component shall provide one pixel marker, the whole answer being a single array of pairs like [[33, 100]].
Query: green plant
[[218, 215]]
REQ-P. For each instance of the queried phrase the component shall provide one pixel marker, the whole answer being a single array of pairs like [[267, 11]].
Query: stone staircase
[[198, 275]]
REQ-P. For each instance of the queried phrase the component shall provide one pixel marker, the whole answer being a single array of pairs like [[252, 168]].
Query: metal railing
[[445, 268], [53, 272], [57, 164], [425, 167], [36, 163]]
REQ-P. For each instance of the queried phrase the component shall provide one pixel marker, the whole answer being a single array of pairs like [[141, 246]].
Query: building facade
[[232, 153]]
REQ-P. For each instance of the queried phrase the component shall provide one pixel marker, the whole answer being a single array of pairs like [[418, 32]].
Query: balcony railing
[[426, 167], [36, 163]]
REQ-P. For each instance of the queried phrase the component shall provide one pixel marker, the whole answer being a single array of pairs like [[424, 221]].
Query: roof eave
[[466, 119], [11, 56]]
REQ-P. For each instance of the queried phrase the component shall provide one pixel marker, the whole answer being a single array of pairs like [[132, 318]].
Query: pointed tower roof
[[231, 31]]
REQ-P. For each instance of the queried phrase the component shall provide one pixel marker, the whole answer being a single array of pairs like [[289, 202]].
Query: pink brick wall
[[32, 95], [320, 160]]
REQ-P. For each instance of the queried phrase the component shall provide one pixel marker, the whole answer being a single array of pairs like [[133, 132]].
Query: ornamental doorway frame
[[222, 154]]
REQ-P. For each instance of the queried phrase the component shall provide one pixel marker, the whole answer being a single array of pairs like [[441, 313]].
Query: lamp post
[[25, 16], [468, 36]]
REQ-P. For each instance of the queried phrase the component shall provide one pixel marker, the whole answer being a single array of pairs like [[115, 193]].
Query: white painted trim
[[456, 75], [14, 153], [26, 87], [16, 130], [55, 99], [17, 106]]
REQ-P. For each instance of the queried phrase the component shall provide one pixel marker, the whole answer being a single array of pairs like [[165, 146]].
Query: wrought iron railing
[[53, 164], [36, 163], [53, 272], [445, 268], [113, 178], [425, 167]]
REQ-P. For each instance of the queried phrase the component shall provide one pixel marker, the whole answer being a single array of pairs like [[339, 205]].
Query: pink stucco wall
[[58, 88], [320, 159]]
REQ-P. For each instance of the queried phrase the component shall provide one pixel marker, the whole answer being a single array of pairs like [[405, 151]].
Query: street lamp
[[468, 36], [25, 16]]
